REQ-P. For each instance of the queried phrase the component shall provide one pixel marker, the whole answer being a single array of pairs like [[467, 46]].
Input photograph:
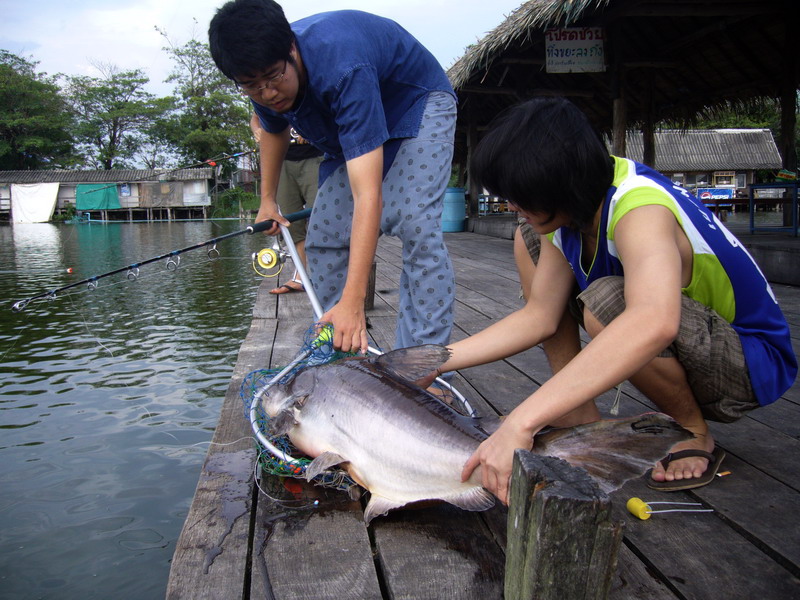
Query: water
[[108, 399]]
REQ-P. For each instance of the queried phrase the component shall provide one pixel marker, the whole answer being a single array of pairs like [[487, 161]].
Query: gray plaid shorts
[[707, 346]]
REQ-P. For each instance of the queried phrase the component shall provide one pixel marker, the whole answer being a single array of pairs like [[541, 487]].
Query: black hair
[[248, 36], [544, 156]]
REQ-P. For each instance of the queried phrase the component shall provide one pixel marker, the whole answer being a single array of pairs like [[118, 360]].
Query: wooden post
[[562, 543], [619, 113], [473, 189]]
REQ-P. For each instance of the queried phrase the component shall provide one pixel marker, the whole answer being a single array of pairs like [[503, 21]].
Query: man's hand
[[495, 456], [265, 213], [349, 326]]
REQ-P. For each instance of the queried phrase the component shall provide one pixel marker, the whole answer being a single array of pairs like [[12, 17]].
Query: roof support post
[[789, 90], [473, 189], [619, 110], [648, 128]]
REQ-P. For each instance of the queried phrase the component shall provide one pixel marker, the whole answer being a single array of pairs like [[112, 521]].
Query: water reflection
[[107, 399]]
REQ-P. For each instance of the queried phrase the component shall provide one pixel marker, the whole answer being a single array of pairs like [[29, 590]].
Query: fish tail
[[614, 451]]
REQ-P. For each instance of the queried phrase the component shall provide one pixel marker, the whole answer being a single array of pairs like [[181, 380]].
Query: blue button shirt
[[368, 81]]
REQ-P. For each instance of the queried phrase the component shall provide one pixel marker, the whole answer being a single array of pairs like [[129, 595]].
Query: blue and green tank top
[[724, 275]]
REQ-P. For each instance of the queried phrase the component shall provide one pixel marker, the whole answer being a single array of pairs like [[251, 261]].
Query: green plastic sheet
[[96, 196]]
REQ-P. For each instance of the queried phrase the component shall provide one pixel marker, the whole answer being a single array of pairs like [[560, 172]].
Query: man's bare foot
[[692, 467]]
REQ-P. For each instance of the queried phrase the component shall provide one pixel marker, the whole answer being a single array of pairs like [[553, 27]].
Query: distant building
[[724, 159], [118, 194]]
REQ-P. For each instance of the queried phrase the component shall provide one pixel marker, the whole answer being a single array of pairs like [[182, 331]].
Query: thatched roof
[[671, 58], [515, 30]]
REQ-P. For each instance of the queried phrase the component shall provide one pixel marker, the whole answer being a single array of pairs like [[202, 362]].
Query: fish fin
[[324, 461], [415, 362], [616, 450], [477, 498], [281, 423], [378, 506]]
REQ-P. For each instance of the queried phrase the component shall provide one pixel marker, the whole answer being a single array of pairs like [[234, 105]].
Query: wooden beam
[[521, 94]]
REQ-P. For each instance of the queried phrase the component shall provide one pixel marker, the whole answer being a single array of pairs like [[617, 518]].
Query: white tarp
[[33, 202]]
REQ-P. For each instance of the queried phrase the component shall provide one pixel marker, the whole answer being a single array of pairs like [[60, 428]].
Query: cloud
[[72, 37]]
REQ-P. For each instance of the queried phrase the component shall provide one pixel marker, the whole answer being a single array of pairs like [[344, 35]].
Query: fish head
[[283, 397]]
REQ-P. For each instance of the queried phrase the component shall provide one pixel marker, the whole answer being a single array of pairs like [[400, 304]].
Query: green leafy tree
[[34, 121], [112, 113], [212, 117]]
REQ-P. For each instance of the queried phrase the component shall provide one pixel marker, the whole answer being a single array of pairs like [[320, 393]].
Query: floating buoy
[[69, 270]]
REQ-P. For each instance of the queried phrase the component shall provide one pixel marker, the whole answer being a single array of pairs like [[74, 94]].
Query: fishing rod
[[172, 262]]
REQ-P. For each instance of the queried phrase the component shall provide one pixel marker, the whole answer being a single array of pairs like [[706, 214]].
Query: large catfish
[[404, 445]]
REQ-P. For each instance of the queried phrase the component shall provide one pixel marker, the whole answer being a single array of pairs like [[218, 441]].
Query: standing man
[[377, 103]]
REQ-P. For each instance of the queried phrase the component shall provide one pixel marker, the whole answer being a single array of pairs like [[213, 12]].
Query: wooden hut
[[120, 194], [632, 63]]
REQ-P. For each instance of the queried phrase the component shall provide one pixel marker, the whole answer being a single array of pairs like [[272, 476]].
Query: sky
[[74, 37]]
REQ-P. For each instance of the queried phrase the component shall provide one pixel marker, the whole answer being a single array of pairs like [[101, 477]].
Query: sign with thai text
[[574, 50]]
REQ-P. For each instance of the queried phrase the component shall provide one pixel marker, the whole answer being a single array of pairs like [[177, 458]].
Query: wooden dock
[[242, 542]]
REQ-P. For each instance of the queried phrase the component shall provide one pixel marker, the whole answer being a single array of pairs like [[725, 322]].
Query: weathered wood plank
[[748, 549], [210, 559], [294, 551], [322, 553], [700, 555], [439, 552]]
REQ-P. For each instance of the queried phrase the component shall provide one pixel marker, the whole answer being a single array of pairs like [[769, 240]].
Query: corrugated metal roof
[[109, 176], [709, 149]]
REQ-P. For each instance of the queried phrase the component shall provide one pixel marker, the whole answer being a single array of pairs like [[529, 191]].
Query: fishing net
[[277, 455], [317, 349]]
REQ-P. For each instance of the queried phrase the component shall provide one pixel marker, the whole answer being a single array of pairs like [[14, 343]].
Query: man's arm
[[523, 329], [347, 316], [646, 239], [272, 150]]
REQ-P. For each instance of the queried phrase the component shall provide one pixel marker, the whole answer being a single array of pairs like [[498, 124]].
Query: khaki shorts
[[297, 189], [707, 346]]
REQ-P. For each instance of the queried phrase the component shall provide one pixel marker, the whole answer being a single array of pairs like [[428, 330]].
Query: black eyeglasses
[[253, 89]]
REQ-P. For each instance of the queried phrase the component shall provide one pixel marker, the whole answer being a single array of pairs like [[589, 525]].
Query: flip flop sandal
[[288, 289], [714, 461]]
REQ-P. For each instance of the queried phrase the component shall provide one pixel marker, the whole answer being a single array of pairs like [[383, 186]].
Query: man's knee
[[602, 302]]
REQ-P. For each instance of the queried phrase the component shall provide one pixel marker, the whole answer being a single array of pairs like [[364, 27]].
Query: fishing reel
[[268, 262]]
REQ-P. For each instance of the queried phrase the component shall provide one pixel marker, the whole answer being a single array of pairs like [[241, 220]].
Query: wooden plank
[[774, 452], [700, 555], [765, 518], [666, 557], [633, 581], [210, 559], [439, 552], [322, 551]]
